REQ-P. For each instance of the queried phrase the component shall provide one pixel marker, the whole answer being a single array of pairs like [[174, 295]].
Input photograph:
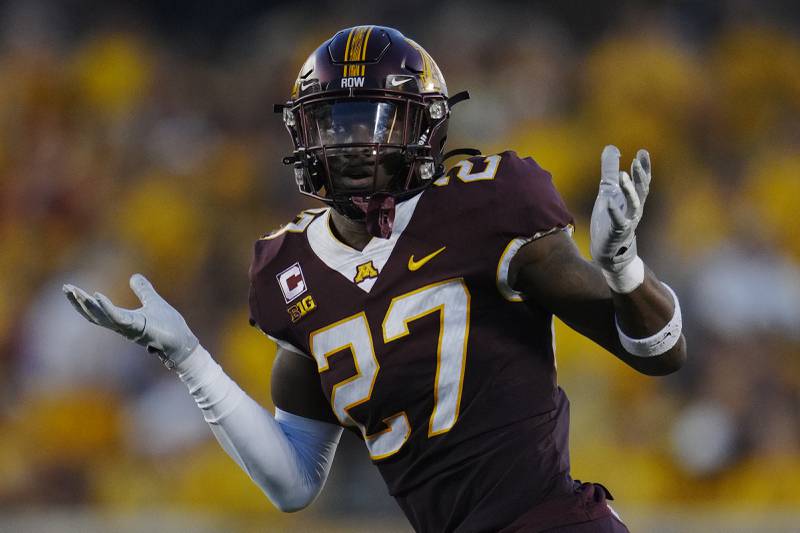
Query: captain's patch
[[292, 282]]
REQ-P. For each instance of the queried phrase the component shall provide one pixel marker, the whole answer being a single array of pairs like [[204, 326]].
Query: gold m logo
[[365, 271]]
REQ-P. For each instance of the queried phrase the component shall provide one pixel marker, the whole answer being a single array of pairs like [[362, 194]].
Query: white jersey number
[[451, 299]]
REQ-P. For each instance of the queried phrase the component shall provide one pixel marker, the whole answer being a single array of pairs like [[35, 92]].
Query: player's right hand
[[156, 325]]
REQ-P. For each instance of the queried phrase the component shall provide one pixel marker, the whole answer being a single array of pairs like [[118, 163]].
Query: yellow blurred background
[[140, 137]]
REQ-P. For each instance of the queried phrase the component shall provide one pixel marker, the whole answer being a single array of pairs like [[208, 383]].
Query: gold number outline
[[440, 340], [466, 175], [323, 364], [298, 225], [349, 420]]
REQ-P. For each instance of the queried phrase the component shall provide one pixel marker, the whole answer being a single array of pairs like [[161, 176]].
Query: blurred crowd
[[126, 148]]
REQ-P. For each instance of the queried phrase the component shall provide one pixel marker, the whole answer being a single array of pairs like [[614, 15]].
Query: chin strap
[[453, 100], [379, 213]]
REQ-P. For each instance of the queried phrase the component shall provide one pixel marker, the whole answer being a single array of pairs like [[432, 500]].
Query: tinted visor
[[342, 122]]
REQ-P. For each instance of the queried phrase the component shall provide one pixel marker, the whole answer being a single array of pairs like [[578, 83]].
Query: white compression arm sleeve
[[287, 456]]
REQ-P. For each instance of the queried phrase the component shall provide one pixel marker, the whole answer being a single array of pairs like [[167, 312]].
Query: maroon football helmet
[[368, 119]]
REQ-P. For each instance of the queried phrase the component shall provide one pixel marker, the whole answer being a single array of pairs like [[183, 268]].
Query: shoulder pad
[[269, 245]]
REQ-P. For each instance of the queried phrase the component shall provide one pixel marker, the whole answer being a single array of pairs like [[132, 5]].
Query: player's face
[[358, 136]]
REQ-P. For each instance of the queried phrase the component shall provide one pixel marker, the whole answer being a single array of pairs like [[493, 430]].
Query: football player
[[416, 309]]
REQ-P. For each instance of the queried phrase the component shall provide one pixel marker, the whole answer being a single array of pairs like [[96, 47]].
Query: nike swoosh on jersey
[[416, 265]]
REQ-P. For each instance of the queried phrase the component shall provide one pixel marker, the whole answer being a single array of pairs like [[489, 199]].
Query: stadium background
[[140, 137]]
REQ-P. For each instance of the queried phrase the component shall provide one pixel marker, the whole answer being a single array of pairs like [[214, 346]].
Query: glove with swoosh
[[156, 324]]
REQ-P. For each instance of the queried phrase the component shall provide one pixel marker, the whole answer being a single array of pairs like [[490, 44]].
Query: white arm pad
[[288, 456], [660, 342]]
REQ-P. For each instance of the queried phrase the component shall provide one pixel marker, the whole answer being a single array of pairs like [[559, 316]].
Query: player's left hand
[[618, 209]]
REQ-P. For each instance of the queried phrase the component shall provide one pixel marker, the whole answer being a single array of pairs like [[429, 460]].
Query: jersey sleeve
[[528, 203], [264, 250], [265, 314], [529, 207]]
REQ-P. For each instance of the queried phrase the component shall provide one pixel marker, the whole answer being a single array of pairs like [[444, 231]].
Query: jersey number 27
[[451, 299]]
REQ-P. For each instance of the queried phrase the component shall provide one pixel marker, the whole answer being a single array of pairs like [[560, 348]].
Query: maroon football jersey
[[424, 350]]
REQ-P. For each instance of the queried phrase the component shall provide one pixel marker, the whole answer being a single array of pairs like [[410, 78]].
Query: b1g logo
[[292, 282], [348, 83], [302, 308]]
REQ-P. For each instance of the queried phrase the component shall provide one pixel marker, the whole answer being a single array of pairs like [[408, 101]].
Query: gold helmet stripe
[[346, 50], [430, 78], [356, 47], [426, 68], [356, 50], [364, 51]]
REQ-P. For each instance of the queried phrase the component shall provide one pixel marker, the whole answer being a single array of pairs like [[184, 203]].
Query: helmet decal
[[356, 51], [431, 79]]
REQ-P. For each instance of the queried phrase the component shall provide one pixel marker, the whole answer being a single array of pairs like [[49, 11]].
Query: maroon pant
[[584, 511]]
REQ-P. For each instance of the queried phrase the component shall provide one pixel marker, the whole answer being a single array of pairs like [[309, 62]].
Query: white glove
[[617, 211], [156, 325]]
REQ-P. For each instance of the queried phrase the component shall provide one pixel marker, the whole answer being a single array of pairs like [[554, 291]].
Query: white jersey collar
[[350, 262]]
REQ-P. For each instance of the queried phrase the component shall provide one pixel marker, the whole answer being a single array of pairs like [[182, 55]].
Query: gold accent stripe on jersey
[[346, 50], [364, 50], [511, 249], [501, 278]]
